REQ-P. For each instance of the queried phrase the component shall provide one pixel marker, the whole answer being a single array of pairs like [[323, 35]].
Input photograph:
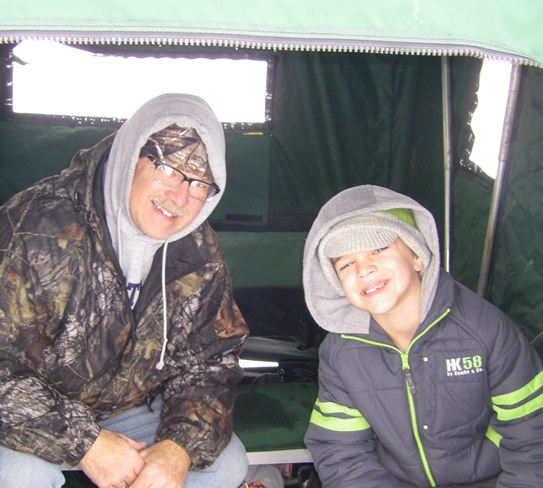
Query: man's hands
[[115, 460], [166, 466]]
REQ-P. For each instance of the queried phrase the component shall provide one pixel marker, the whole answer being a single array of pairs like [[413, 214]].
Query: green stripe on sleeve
[[521, 394], [334, 408], [520, 411], [339, 424], [518, 398]]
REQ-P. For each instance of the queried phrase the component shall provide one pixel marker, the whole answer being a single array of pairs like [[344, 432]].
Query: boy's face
[[384, 281]]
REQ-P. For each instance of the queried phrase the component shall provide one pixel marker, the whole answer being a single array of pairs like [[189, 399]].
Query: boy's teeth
[[371, 290]]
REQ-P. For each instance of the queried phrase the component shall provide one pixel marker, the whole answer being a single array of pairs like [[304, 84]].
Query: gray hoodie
[[134, 249], [331, 309]]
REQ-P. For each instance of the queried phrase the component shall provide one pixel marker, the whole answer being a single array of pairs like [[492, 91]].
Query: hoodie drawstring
[[120, 248], [160, 364]]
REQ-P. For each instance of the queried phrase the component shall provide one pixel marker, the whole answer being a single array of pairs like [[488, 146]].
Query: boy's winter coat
[[463, 403]]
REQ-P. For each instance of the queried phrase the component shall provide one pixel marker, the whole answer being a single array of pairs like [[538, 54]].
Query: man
[[90, 365]]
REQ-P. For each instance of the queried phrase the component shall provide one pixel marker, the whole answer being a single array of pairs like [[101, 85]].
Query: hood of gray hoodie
[[135, 249], [332, 310]]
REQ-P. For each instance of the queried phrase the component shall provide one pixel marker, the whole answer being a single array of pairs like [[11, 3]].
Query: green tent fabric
[[507, 28], [517, 271], [288, 407]]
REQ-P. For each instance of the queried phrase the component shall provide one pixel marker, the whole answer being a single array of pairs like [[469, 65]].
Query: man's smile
[[163, 210], [169, 210]]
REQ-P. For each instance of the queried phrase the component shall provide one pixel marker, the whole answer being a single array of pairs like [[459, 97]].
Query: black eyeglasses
[[171, 177]]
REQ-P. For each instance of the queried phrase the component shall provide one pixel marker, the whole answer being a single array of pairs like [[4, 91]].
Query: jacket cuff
[[84, 438]]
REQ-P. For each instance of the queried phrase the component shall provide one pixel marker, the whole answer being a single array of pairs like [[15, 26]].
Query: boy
[[422, 382]]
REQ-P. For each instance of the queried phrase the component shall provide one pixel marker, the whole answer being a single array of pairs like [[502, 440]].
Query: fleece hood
[[328, 304], [155, 115], [134, 249]]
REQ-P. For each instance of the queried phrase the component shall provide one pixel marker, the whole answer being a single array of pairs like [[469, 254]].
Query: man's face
[[157, 210]]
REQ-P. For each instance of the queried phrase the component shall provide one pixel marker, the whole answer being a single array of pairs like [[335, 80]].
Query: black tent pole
[[498, 182]]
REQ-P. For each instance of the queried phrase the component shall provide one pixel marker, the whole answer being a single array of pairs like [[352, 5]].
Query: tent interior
[[338, 119]]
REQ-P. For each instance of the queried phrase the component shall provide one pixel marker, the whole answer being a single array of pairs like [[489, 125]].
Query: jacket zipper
[[264, 43], [409, 386]]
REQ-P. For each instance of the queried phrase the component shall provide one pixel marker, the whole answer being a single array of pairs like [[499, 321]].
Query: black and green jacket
[[463, 403]]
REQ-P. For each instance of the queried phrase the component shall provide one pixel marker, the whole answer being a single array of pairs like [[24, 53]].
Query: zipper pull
[[407, 372], [410, 382]]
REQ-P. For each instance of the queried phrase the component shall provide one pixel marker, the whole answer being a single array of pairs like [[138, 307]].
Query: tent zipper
[[265, 44]]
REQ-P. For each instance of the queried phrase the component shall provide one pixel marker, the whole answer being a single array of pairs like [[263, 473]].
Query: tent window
[[54, 79], [488, 118]]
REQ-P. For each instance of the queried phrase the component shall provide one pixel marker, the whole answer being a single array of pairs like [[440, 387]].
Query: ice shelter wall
[[343, 119]]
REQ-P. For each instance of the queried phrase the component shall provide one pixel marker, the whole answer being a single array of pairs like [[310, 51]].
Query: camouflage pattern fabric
[[179, 147], [72, 352]]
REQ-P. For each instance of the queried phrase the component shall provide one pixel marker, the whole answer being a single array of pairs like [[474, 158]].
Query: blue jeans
[[20, 470]]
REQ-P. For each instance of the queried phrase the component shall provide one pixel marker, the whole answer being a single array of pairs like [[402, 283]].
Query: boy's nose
[[365, 268]]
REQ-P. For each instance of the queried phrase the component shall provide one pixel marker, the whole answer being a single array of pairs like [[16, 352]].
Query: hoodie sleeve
[[340, 439], [198, 400]]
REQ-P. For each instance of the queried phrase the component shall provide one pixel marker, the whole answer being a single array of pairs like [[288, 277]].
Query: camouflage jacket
[[72, 352]]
